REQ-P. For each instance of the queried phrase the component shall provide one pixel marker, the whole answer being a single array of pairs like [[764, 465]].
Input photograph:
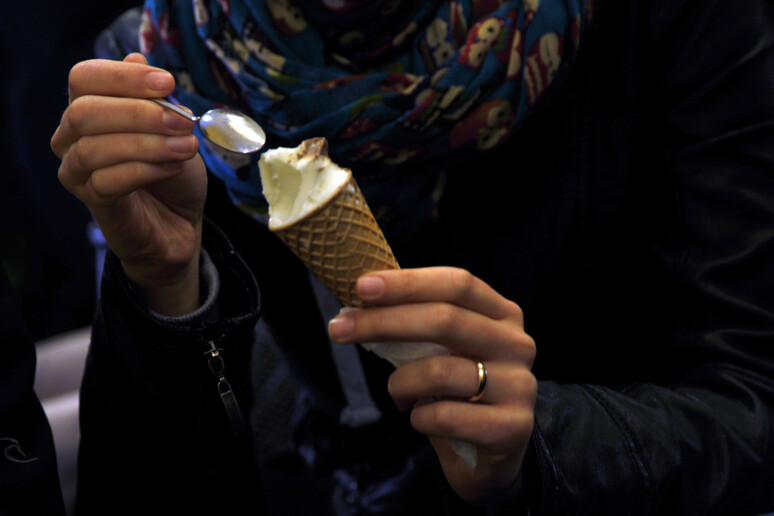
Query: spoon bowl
[[227, 128]]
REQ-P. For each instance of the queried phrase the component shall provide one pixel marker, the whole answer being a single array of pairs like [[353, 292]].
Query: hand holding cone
[[318, 211]]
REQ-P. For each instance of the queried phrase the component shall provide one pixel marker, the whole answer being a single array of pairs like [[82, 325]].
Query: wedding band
[[481, 389]]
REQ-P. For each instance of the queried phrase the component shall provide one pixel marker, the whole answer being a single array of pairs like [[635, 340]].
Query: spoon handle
[[177, 109]]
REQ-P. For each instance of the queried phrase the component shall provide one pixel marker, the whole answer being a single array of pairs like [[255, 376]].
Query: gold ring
[[481, 389]]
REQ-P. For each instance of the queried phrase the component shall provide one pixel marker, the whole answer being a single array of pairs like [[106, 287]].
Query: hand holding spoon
[[227, 128]]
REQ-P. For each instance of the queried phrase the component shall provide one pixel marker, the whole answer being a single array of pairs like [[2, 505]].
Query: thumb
[[136, 57]]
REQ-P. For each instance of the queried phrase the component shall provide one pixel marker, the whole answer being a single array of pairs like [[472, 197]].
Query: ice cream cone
[[339, 239], [318, 211]]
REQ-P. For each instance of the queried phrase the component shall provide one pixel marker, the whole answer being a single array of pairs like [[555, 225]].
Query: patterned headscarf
[[385, 81]]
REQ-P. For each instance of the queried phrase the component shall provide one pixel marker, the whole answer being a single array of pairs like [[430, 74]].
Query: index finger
[[119, 79], [436, 284]]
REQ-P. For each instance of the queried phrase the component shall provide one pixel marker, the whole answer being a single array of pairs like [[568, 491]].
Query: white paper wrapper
[[399, 353]]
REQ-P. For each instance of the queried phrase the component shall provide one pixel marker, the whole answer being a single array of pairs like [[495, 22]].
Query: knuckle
[[79, 75], [515, 310], [56, 145], [137, 113], [103, 184], [78, 155], [446, 319], [437, 371], [78, 112], [435, 418], [520, 345], [80, 68], [76, 75], [527, 385], [64, 178], [444, 418], [100, 187], [529, 348], [513, 426], [393, 387], [399, 391], [462, 282], [520, 381]]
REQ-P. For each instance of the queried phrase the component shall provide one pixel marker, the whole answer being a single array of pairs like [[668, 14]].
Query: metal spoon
[[227, 128]]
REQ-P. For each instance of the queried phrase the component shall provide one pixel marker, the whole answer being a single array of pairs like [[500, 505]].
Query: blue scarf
[[387, 82]]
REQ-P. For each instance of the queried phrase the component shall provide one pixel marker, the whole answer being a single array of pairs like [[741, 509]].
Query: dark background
[[44, 244]]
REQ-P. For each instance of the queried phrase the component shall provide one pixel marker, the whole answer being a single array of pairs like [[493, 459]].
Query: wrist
[[176, 299], [171, 295], [209, 292]]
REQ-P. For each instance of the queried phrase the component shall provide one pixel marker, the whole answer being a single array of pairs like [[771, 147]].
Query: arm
[[152, 417], [157, 426], [693, 436], [700, 440]]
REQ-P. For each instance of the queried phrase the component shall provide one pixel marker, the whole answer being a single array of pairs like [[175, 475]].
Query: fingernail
[[340, 327], [181, 144], [159, 81], [369, 287], [175, 122]]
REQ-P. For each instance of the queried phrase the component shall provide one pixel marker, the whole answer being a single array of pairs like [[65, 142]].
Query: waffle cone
[[339, 242]]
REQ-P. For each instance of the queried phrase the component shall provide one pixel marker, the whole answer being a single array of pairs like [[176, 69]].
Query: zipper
[[217, 368]]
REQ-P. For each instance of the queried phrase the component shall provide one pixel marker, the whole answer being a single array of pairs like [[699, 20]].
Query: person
[[29, 483], [590, 181]]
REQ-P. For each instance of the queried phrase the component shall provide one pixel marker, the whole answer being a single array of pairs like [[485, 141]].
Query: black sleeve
[[28, 473], [160, 433], [702, 442]]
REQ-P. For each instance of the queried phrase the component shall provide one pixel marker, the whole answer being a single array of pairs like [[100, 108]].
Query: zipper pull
[[218, 367]]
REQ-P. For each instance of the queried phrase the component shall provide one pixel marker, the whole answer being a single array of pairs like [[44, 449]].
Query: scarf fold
[[387, 82]]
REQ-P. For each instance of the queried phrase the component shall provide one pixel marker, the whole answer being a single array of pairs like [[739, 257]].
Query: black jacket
[[29, 484], [632, 219]]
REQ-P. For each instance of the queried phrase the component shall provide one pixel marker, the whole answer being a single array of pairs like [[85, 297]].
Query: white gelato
[[297, 181]]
